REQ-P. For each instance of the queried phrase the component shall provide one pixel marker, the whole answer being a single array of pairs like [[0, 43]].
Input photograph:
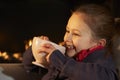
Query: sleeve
[[27, 60], [64, 68]]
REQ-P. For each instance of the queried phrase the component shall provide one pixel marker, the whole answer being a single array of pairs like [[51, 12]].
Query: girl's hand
[[46, 48], [44, 38]]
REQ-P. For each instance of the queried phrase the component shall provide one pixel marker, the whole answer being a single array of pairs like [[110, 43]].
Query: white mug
[[40, 58]]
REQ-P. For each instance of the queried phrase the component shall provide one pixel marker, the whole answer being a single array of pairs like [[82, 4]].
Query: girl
[[88, 41]]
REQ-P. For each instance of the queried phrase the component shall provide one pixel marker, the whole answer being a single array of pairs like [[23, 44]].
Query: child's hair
[[100, 21]]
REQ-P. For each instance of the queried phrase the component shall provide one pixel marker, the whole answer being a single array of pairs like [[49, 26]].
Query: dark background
[[21, 20]]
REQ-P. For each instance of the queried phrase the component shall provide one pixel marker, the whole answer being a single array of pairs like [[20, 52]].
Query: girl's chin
[[71, 53]]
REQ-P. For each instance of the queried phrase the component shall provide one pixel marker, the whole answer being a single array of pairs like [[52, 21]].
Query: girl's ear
[[102, 42]]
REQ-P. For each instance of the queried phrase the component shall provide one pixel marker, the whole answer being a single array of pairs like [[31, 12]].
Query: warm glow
[[0, 54], [28, 44], [4, 55], [16, 55]]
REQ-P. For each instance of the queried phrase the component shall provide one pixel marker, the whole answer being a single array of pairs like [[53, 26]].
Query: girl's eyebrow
[[76, 30], [67, 28]]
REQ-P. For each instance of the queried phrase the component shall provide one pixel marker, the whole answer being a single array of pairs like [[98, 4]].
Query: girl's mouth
[[69, 47]]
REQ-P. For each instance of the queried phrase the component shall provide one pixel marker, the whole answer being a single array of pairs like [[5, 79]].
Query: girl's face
[[78, 35]]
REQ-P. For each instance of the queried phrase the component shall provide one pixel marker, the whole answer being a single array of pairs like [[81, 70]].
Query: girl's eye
[[75, 34], [67, 31]]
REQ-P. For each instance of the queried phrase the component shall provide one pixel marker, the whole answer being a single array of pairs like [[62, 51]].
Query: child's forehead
[[77, 21]]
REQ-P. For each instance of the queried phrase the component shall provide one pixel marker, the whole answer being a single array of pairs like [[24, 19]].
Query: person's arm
[[62, 67], [27, 60]]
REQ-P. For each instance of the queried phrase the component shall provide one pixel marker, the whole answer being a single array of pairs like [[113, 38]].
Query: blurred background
[[21, 20]]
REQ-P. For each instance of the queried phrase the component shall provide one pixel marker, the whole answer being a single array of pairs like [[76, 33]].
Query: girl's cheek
[[77, 46]]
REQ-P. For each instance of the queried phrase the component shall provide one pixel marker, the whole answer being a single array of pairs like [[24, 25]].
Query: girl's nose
[[68, 38]]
